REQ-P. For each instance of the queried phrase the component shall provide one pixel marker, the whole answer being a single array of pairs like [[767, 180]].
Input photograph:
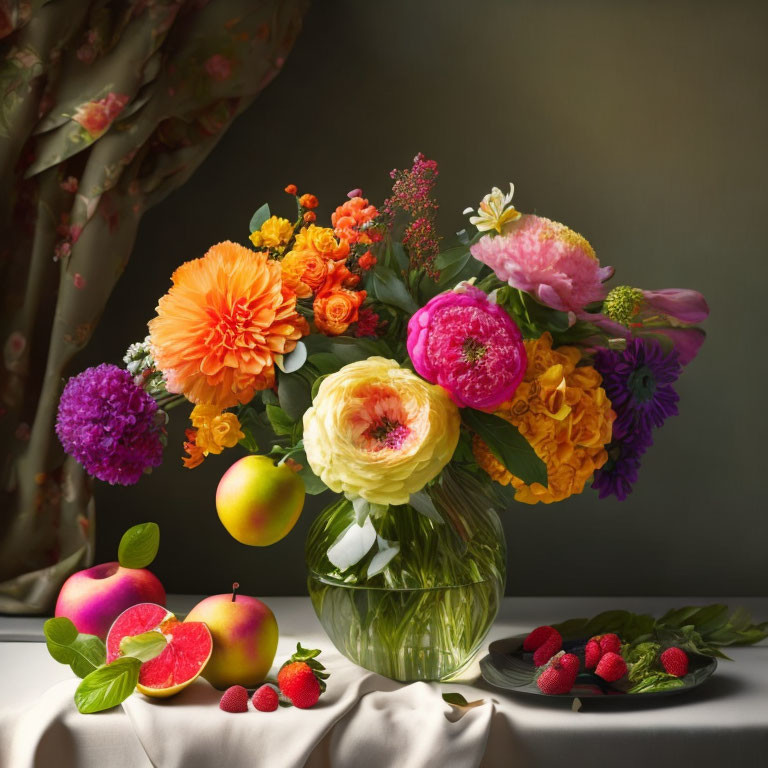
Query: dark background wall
[[642, 125]]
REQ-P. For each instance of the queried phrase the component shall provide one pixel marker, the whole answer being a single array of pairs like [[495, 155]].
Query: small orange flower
[[195, 452], [337, 310], [304, 272], [309, 217], [348, 218], [366, 261], [320, 240], [338, 277], [291, 189], [308, 201]]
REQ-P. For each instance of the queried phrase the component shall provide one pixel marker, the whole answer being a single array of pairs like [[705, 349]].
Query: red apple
[[92, 599]]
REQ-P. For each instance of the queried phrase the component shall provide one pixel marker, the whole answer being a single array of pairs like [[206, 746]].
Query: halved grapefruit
[[182, 660]]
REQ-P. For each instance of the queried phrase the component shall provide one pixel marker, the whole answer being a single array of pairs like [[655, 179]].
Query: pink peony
[[469, 346], [546, 259]]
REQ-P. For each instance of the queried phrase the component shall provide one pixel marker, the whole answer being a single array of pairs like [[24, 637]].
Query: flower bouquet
[[426, 386]]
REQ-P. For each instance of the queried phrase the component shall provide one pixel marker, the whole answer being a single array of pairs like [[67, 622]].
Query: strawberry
[[548, 648], [537, 638], [609, 642], [611, 667], [592, 654], [235, 699], [597, 646], [302, 678], [298, 682], [559, 675], [675, 662], [265, 699]]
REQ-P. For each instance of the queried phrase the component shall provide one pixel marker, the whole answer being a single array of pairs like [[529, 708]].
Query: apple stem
[[235, 587]]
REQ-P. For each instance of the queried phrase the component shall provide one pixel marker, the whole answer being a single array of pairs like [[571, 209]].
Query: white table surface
[[724, 723]]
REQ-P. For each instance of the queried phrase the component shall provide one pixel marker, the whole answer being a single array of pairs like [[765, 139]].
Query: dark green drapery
[[106, 107]]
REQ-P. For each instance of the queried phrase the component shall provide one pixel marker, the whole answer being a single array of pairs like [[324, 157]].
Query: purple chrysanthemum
[[110, 425], [618, 474], [638, 381]]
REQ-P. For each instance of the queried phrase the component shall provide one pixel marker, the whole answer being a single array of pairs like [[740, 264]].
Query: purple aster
[[110, 425], [618, 474], [638, 381]]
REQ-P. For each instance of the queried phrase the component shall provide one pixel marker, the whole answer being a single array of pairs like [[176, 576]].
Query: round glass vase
[[425, 615]]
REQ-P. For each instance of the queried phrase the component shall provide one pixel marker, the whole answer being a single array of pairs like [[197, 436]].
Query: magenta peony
[[469, 346], [546, 259]]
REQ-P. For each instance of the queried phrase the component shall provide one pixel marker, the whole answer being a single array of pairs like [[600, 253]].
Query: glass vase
[[425, 615]]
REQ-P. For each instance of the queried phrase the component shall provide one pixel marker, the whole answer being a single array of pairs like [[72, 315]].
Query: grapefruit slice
[[182, 660]]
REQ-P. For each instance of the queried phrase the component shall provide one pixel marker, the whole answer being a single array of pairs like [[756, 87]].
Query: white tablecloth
[[366, 720]]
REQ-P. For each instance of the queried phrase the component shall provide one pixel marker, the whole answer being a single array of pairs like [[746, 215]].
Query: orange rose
[[304, 272], [336, 310], [338, 277]]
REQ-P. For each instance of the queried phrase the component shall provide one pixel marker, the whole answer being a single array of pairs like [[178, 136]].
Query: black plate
[[508, 666]]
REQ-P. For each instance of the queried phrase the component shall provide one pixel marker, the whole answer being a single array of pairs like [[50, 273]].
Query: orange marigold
[[564, 414], [320, 240], [220, 325], [304, 272]]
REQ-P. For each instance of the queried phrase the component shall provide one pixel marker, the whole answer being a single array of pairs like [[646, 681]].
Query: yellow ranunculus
[[215, 430], [321, 240], [378, 431], [274, 232]]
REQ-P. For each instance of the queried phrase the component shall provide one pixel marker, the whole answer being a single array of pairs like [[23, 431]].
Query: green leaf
[[386, 552], [421, 502], [352, 545], [388, 288], [294, 394], [294, 360], [456, 699], [259, 218], [325, 362], [143, 647], [249, 420], [108, 686], [279, 420], [139, 545], [316, 386], [507, 445], [83, 653]]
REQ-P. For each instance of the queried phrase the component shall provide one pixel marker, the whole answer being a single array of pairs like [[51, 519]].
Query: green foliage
[[258, 218], [249, 424], [293, 392], [143, 647], [139, 545], [279, 420], [83, 653], [455, 698], [108, 686], [388, 288], [507, 445]]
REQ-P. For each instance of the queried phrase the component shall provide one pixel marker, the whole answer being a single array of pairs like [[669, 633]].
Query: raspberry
[[592, 654], [559, 675], [235, 699], [675, 662], [611, 667], [537, 638], [298, 682], [548, 649], [265, 699]]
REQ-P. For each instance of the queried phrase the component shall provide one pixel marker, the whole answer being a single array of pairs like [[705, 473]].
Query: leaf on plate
[[143, 647]]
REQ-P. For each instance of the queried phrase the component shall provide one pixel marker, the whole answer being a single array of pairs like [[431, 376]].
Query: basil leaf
[[108, 686], [143, 647], [139, 545], [259, 218], [83, 653], [507, 445]]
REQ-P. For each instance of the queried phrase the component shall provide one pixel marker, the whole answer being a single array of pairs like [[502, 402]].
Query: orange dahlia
[[564, 413], [219, 327]]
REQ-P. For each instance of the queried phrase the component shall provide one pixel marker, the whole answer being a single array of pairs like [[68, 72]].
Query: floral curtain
[[106, 108]]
